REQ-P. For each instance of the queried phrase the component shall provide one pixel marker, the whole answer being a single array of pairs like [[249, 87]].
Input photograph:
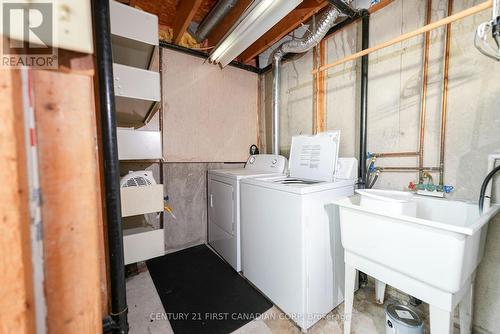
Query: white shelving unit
[[135, 41], [139, 145], [134, 35], [137, 93], [142, 243], [141, 200], [137, 99]]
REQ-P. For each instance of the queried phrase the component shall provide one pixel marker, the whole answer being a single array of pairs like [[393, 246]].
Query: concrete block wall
[[395, 83], [186, 187]]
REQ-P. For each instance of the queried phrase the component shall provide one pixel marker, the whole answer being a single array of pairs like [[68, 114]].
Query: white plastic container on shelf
[[388, 201]]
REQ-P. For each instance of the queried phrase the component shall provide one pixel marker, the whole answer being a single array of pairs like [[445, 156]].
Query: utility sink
[[430, 251]]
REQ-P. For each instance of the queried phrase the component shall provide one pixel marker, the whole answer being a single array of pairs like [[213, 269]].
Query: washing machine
[[291, 246], [224, 202]]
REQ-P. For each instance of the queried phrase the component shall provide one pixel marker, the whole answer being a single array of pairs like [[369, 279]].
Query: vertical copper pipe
[[316, 63], [320, 89], [444, 99], [423, 104]]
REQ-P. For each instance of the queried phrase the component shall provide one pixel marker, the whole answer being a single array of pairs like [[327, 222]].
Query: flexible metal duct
[[213, 18], [304, 44]]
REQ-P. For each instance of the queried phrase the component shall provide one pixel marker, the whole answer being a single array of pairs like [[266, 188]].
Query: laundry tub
[[390, 202], [432, 255]]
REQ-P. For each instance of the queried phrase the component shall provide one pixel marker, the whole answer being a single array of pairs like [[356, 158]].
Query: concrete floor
[[369, 317]]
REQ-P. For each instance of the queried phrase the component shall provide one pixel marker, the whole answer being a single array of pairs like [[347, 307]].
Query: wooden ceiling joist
[[185, 12], [289, 23]]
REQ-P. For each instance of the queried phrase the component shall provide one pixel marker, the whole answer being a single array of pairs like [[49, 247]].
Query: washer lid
[[403, 315], [314, 157]]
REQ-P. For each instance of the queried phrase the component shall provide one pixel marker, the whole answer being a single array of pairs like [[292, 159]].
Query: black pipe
[[204, 55], [363, 121], [362, 168], [109, 325], [343, 24], [104, 67], [487, 180], [344, 8]]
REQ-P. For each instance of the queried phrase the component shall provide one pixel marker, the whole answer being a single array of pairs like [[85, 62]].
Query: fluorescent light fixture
[[259, 17]]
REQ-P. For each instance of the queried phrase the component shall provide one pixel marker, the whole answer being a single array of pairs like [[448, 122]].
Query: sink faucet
[[485, 195]]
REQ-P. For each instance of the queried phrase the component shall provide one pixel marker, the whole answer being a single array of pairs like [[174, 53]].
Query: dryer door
[[220, 209]]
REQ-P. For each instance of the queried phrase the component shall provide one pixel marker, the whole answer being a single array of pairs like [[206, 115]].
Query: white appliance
[[224, 203], [140, 178], [290, 234]]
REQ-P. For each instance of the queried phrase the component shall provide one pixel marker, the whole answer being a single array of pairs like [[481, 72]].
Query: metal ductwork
[[220, 10], [304, 44], [344, 8]]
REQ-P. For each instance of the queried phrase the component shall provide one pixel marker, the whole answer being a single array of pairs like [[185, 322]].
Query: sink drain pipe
[[363, 115], [302, 45], [117, 321]]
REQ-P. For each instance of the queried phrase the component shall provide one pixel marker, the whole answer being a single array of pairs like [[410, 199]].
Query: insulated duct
[[304, 44], [220, 10]]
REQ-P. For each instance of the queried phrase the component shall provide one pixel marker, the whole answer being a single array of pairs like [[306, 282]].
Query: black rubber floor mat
[[202, 294]]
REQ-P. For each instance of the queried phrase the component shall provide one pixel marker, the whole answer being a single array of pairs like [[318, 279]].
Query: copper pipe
[[423, 104], [321, 88], [408, 169], [440, 23], [316, 64], [319, 55], [444, 99], [395, 154]]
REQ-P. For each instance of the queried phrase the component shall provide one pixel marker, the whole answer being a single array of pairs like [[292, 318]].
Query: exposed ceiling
[[166, 9], [178, 15]]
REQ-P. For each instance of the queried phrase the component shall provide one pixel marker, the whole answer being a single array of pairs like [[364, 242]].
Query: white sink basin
[[431, 254], [441, 246]]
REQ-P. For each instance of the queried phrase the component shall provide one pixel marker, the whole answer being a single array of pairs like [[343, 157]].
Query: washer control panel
[[267, 162]]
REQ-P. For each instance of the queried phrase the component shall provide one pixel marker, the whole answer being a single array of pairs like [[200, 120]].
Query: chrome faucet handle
[[485, 30], [482, 43]]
